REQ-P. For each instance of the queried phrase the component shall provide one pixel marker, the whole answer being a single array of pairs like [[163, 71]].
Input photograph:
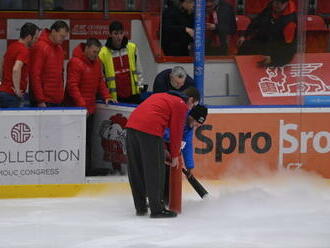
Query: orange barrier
[[255, 142], [175, 184]]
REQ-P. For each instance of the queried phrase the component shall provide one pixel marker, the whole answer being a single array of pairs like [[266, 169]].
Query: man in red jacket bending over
[[145, 131], [46, 72], [84, 82]]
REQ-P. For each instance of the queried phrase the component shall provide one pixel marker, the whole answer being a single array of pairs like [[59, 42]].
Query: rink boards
[[39, 146], [233, 142]]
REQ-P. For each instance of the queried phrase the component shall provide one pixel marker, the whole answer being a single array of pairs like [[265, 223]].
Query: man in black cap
[[195, 119], [172, 79], [272, 34]]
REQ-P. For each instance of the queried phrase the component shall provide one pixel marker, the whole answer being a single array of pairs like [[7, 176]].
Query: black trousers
[[146, 169], [89, 132], [133, 99]]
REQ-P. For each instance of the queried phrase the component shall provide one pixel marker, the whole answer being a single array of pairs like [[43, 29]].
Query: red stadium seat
[[253, 7], [323, 7], [153, 5], [117, 5], [317, 34], [232, 2], [151, 23], [315, 23], [242, 24]]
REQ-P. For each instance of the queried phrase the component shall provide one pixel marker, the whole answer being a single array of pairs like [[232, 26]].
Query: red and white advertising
[[83, 29], [285, 85], [109, 135]]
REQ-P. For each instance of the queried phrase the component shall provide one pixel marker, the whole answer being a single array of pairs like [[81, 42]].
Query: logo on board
[[20, 133], [293, 80]]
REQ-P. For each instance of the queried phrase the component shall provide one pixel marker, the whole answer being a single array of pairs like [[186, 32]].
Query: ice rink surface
[[284, 211]]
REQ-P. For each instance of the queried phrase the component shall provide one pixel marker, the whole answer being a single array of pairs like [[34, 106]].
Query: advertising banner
[[83, 29], [109, 135], [234, 141], [42, 147], [240, 141], [285, 85]]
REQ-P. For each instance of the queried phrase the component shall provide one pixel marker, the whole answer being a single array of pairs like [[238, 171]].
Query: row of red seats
[[317, 33], [252, 7], [249, 7], [313, 23], [114, 5]]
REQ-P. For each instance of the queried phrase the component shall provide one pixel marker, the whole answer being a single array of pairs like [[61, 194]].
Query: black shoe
[[97, 172], [163, 214], [142, 212]]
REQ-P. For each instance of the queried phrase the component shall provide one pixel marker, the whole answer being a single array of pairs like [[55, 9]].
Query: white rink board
[[42, 147], [108, 141]]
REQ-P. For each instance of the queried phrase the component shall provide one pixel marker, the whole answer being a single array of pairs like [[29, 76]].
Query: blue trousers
[[9, 101]]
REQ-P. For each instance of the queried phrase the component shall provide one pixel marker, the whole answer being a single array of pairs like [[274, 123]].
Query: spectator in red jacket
[[146, 161], [15, 67], [84, 82], [46, 74]]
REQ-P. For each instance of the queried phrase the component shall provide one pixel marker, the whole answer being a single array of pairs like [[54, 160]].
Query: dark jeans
[[9, 101]]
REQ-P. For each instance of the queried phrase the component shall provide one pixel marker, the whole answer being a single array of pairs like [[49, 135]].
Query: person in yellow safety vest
[[121, 66]]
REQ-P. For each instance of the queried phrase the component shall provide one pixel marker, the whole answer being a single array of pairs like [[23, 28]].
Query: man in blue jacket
[[172, 79], [195, 119]]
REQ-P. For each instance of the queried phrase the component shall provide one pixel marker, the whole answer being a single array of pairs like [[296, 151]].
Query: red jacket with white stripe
[[160, 111], [46, 71], [84, 81]]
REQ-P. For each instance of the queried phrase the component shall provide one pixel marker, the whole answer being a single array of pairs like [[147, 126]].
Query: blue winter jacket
[[188, 149]]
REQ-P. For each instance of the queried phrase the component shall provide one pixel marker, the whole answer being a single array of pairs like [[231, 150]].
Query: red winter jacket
[[46, 71], [160, 111], [84, 81]]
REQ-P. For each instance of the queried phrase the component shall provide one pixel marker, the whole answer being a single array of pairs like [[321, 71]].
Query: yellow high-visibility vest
[[105, 56]]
